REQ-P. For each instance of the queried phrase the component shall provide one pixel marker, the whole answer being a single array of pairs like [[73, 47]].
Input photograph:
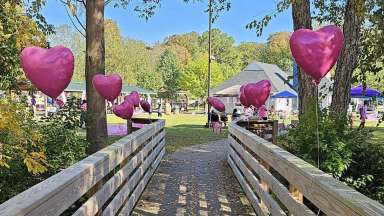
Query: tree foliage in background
[[18, 29], [170, 70], [277, 51], [195, 79]]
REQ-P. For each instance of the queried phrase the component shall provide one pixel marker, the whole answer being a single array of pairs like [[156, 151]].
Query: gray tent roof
[[255, 72], [80, 87]]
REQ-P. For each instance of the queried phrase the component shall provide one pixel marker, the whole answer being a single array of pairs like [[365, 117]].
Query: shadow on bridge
[[194, 181]]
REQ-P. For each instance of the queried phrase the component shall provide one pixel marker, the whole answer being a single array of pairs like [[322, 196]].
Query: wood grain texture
[[54, 195], [270, 204], [94, 203], [247, 189], [330, 195], [129, 186], [134, 198], [278, 188]]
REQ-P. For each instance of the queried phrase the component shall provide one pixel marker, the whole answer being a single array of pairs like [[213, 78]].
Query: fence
[[108, 182], [279, 183]]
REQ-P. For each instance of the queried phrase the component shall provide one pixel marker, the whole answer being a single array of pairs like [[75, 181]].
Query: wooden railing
[[108, 182], [279, 183]]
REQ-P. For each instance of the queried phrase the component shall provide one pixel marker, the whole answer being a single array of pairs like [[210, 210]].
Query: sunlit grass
[[182, 130]]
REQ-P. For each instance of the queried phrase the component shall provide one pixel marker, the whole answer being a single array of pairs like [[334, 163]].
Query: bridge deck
[[194, 181]]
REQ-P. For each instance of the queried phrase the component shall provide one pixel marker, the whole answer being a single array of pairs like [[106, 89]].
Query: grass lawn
[[182, 130]]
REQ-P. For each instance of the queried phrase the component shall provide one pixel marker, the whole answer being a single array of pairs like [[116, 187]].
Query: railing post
[[296, 194], [264, 185], [129, 126]]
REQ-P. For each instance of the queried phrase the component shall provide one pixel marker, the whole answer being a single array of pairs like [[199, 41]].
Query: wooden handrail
[[120, 169], [250, 157]]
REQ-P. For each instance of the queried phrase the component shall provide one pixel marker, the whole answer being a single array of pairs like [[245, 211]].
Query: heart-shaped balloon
[[108, 86], [216, 103], [50, 70], [124, 110], [316, 52], [243, 98], [134, 97], [257, 93], [145, 106]]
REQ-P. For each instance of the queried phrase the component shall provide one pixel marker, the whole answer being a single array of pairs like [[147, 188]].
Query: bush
[[31, 151], [64, 146], [22, 150], [348, 154], [335, 156]]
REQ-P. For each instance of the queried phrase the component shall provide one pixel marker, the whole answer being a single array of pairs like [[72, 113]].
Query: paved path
[[194, 181]]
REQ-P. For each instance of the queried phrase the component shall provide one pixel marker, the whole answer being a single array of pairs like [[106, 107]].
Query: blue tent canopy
[[284, 94], [361, 92]]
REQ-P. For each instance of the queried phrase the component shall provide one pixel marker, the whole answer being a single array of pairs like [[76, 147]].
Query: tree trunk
[[95, 63], [301, 15], [347, 61]]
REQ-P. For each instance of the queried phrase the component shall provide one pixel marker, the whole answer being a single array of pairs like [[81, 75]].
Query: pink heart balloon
[[216, 103], [50, 70], [124, 110], [316, 52], [145, 106], [108, 86], [243, 98], [257, 93], [134, 97]]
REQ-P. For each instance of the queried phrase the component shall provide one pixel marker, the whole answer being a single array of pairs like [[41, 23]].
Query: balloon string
[[317, 127]]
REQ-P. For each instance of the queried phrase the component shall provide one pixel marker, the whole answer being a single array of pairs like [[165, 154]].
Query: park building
[[283, 96]]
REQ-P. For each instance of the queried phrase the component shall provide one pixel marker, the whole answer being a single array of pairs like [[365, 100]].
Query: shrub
[[20, 138], [348, 154], [335, 156], [64, 145]]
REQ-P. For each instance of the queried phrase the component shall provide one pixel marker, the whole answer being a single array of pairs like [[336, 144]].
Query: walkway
[[194, 181]]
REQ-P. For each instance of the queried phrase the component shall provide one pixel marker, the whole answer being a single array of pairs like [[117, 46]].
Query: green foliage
[[348, 154], [249, 52], [335, 155], [17, 30], [223, 48], [277, 51], [63, 145], [169, 68], [20, 139], [195, 76]]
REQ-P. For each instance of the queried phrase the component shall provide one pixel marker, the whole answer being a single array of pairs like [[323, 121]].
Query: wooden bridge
[[111, 181]]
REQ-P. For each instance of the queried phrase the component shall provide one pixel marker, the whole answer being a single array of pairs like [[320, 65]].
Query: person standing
[[363, 114], [83, 113], [262, 113]]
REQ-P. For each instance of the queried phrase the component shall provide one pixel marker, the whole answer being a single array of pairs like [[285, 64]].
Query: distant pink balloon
[[216, 103], [108, 86], [257, 93], [316, 52], [243, 98], [124, 110], [50, 70], [134, 97], [145, 106]]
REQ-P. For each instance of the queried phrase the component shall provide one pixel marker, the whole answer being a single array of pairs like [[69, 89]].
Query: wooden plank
[[54, 195], [94, 203], [270, 204], [331, 196], [134, 198], [296, 194], [247, 189], [127, 188], [278, 188]]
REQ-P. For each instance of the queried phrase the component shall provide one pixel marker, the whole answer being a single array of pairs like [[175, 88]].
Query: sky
[[176, 17]]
